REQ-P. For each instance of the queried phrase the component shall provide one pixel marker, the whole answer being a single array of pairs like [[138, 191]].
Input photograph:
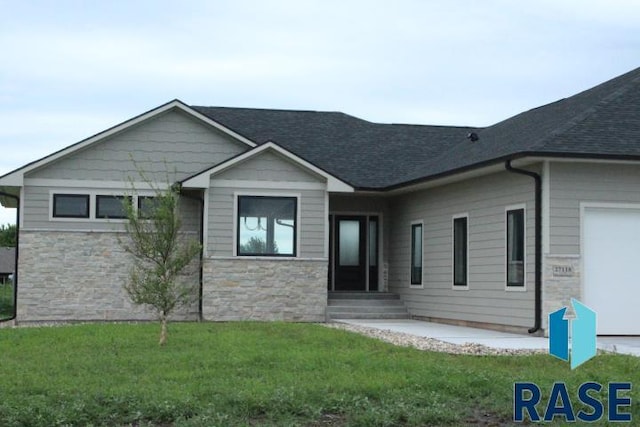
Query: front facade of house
[[290, 206]]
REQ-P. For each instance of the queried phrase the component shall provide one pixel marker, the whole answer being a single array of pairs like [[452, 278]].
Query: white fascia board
[[202, 180], [16, 178]]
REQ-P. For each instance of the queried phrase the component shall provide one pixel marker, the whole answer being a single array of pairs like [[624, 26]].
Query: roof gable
[[202, 179], [16, 177], [365, 154]]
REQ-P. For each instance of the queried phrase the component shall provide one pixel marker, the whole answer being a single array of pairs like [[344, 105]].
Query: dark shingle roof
[[600, 122], [364, 154]]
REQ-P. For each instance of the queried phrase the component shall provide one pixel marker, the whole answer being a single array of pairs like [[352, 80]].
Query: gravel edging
[[430, 344]]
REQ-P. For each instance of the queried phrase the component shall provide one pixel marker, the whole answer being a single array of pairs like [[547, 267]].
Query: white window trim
[[298, 197], [93, 193], [421, 224], [507, 287], [453, 285]]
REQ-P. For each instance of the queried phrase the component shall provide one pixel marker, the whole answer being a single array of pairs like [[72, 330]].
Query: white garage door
[[611, 240]]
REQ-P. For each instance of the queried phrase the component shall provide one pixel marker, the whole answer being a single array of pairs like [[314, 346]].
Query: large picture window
[[266, 226], [460, 242], [416, 254], [71, 206], [515, 247], [111, 207]]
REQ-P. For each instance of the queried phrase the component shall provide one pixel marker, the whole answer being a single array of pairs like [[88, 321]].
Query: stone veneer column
[[561, 283], [265, 289], [68, 276]]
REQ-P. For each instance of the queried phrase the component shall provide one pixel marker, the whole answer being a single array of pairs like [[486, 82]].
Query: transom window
[[266, 226], [515, 247], [112, 207], [71, 205], [98, 207], [146, 205]]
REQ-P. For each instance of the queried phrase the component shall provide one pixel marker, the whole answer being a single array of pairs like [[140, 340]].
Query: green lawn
[[277, 374], [6, 300]]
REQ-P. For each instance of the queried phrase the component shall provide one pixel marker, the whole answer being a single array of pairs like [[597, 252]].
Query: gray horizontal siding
[[172, 143], [268, 167], [484, 199], [573, 183], [221, 220]]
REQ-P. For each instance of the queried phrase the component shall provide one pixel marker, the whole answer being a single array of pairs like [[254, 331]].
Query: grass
[[235, 374], [6, 300]]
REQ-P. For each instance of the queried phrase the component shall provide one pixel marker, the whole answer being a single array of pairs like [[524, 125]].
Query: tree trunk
[[163, 329]]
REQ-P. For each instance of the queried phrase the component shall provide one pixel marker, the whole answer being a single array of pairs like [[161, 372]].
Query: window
[[515, 247], [71, 206], [146, 205], [111, 207], [460, 245], [266, 226], [416, 254]]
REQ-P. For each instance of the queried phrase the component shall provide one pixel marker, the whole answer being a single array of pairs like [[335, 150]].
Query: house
[[494, 226], [7, 264]]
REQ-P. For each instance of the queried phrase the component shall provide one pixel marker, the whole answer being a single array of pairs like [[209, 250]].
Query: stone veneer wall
[[265, 289], [561, 283], [68, 276]]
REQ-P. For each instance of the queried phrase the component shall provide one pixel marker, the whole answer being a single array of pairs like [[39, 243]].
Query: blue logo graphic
[[583, 334]]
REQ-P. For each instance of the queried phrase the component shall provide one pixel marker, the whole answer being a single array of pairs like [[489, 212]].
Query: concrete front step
[[363, 295], [368, 316], [360, 305], [368, 309], [365, 302]]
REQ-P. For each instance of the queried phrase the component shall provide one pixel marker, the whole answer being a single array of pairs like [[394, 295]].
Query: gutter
[[538, 242], [200, 273], [15, 273]]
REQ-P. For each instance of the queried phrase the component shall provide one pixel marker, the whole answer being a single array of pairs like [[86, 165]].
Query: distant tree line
[[8, 235]]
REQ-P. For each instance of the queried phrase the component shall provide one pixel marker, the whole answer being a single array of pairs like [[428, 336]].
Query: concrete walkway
[[503, 340]]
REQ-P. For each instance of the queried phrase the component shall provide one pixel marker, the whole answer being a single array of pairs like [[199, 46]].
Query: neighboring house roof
[[601, 122], [7, 260]]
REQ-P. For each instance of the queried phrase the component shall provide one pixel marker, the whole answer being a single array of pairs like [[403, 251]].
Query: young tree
[[161, 253]]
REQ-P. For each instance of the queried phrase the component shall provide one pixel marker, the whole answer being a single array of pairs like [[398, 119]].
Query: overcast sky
[[70, 69]]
